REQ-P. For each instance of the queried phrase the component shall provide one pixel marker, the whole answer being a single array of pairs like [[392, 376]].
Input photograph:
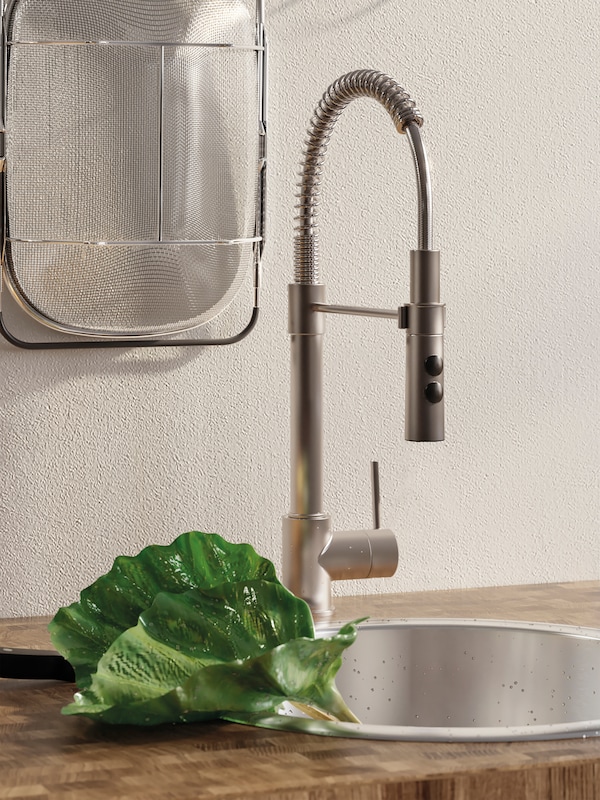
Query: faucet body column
[[306, 529]]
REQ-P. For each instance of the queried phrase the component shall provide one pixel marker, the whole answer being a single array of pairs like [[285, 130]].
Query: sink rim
[[475, 622], [501, 733]]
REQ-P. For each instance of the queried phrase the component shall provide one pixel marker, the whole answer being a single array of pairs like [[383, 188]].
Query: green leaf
[[196, 630], [301, 671], [85, 630]]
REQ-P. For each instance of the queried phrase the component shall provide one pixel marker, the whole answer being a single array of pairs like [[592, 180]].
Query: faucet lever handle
[[362, 554], [375, 494]]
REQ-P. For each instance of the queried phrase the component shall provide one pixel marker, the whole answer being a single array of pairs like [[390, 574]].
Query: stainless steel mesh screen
[[131, 161]]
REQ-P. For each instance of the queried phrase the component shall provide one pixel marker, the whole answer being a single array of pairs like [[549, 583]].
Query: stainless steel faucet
[[314, 555]]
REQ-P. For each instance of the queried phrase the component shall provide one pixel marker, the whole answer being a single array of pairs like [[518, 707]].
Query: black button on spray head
[[434, 392], [434, 365]]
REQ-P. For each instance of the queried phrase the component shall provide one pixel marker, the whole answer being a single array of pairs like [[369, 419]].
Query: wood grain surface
[[46, 755]]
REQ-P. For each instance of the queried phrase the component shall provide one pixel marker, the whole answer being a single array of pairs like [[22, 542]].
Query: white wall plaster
[[105, 452]]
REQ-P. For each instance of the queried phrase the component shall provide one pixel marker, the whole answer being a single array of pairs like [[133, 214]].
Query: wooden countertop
[[46, 755]]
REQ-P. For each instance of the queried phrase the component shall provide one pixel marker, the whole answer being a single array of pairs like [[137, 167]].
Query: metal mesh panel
[[127, 160]]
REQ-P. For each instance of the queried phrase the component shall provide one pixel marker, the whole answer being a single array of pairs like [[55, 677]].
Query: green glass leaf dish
[[83, 631], [213, 635]]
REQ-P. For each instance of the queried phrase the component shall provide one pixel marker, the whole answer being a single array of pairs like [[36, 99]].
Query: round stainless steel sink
[[465, 680]]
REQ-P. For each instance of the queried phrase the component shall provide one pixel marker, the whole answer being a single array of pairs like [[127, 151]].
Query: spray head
[[424, 320]]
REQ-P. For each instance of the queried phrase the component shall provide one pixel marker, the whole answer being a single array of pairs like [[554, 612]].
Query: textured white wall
[[105, 452]]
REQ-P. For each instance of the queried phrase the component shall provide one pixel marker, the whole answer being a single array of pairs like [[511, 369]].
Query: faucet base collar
[[304, 539]]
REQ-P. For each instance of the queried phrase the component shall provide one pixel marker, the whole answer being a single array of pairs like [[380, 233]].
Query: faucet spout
[[312, 554], [406, 118]]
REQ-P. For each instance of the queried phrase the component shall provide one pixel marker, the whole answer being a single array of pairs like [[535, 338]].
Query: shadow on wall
[[105, 362]]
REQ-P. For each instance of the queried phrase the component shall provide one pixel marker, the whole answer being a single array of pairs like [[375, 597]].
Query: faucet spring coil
[[361, 83], [306, 259]]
